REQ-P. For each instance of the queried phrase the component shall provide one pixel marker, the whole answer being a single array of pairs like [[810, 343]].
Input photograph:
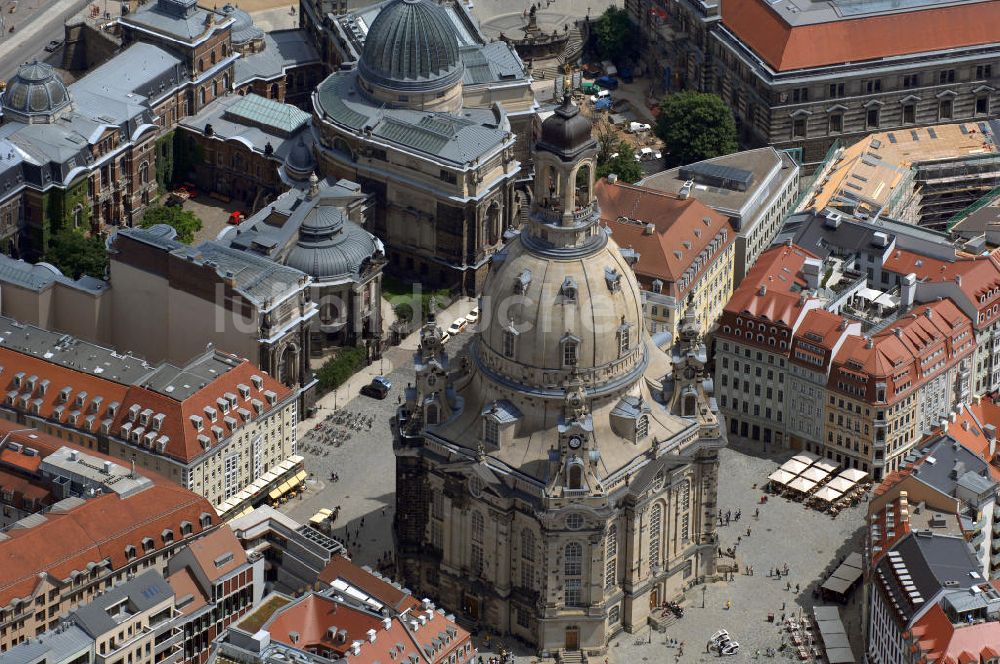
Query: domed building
[[422, 123], [320, 232], [557, 480], [35, 94]]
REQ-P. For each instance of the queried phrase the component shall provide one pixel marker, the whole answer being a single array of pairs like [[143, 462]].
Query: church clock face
[[575, 442]]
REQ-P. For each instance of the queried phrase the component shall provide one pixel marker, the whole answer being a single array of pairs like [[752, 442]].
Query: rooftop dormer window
[[568, 290]]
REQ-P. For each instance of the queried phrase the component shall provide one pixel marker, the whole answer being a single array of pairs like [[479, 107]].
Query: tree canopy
[[76, 255], [619, 158], [184, 222], [695, 126], [614, 34]]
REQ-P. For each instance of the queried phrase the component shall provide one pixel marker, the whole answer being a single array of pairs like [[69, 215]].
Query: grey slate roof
[[930, 561], [55, 646], [38, 277], [243, 29], [411, 44], [953, 466], [282, 49], [254, 277], [496, 62], [314, 235], [141, 593], [456, 139], [183, 20], [226, 125]]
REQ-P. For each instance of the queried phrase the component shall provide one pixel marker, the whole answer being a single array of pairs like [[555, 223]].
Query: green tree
[[184, 222], [614, 34], [338, 369], [695, 126], [76, 255], [621, 161]]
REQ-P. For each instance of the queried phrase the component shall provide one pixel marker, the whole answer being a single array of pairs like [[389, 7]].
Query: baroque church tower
[[557, 480]]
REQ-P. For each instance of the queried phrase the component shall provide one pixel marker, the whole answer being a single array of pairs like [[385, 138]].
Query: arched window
[[573, 563], [201, 95], [575, 476], [527, 559], [201, 64], [212, 57], [655, 526], [491, 431], [611, 555], [274, 91], [508, 343], [573, 568], [478, 527], [144, 172], [624, 339], [583, 189], [433, 414], [215, 89], [224, 49], [642, 428]]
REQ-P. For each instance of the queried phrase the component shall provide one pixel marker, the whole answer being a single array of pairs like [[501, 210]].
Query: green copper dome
[[411, 45]]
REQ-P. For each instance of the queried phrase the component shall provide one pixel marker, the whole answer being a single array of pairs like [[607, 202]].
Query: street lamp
[[704, 588]]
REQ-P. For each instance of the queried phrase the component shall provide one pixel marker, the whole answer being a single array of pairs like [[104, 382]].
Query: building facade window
[[655, 526]]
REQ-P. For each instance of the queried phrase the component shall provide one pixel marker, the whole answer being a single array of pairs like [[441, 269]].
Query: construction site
[[925, 176]]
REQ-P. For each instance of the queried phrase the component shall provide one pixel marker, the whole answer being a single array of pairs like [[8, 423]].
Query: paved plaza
[[811, 543], [509, 16]]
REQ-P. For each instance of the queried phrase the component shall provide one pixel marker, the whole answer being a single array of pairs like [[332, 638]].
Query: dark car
[[52, 45], [378, 388]]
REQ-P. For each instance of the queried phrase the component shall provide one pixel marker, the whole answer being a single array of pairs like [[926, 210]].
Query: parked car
[[473, 316], [53, 45], [637, 127], [378, 388], [603, 104], [457, 325], [601, 94], [608, 82], [645, 154]]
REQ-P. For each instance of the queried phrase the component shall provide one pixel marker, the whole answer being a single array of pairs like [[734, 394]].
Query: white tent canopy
[[853, 474], [781, 477], [794, 466], [841, 484], [828, 466], [815, 474], [827, 494], [806, 457], [801, 484]]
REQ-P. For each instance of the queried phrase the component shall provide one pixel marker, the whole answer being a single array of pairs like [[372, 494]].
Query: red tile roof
[[819, 329], [895, 355], [177, 425], [98, 394], [968, 430], [939, 639], [785, 47], [978, 277], [342, 568], [99, 529], [681, 230], [220, 545], [183, 584]]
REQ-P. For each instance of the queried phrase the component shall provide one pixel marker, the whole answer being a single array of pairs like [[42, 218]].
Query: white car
[[645, 154], [473, 316], [444, 337], [457, 325], [600, 95], [637, 127]]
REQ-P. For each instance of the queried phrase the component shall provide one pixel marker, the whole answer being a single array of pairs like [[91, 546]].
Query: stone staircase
[[574, 47], [570, 657]]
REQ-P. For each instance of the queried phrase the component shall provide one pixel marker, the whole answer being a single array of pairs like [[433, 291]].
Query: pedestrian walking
[[756, 513], [748, 532]]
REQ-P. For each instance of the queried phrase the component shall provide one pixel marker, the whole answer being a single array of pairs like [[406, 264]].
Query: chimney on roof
[[990, 431], [907, 291], [648, 229], [898, 331], [953, 417], [958, 279], [371, 635], [788, 241], [869, 344], [73, 455], [762, 291], [612, 178], [811, 269], [843, 324], [965, 424], [341, 636], [356, 648], [107, 467], [685, 191], [387, 624], [929, 313], [944, 427]]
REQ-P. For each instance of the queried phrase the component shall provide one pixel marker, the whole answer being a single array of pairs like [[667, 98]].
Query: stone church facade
[[557, 480]]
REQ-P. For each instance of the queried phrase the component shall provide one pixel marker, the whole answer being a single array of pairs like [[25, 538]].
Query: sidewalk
[[393, 358]]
